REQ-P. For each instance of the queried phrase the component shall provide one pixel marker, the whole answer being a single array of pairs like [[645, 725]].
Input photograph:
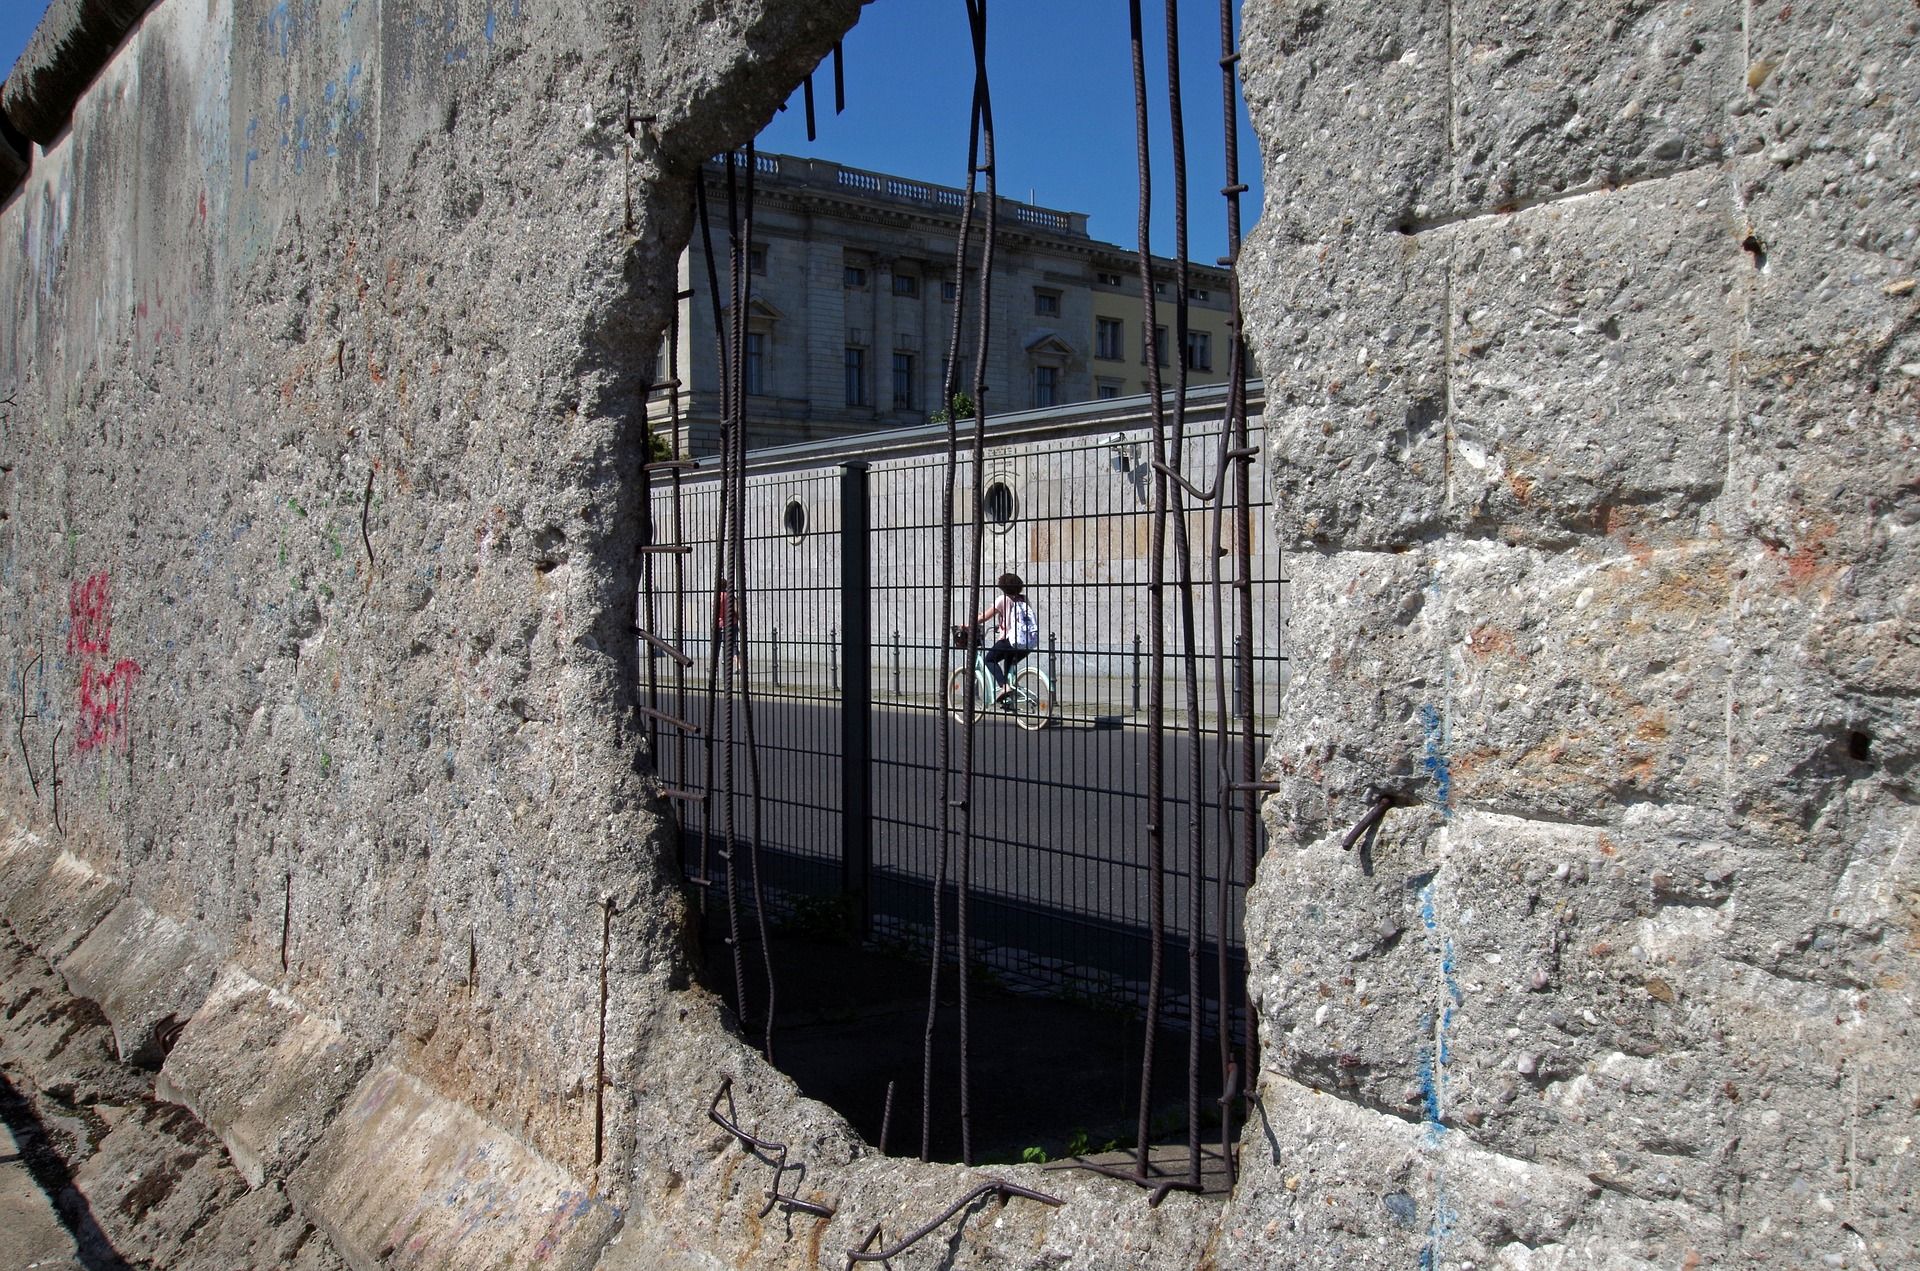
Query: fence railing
[[851, 686]]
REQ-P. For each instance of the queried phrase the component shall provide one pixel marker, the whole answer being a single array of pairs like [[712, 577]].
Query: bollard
[[1136, 672]]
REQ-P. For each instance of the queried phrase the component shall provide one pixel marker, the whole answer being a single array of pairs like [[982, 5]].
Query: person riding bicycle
[[1017, 629]]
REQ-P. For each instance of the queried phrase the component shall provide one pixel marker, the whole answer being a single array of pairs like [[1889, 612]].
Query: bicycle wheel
[[957, 694], [1032, 699]]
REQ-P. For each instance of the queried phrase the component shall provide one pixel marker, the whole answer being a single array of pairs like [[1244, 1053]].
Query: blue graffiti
[[1434, 1056], [492, 22], [1433, 758]]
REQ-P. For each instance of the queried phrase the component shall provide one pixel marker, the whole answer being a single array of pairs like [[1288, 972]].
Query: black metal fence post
[[856, 702], [776, 657]]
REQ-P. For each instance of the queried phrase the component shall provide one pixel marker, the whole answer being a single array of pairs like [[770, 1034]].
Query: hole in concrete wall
[[1860, 746], [1056, 1042]]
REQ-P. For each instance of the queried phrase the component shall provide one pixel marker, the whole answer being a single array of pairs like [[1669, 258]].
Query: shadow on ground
[[1048, 1074]]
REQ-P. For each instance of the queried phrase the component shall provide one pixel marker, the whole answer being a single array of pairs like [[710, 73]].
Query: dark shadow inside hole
[[1860, 746], [1049, 1072]]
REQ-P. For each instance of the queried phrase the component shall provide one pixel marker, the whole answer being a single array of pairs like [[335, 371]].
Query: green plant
[[962, 408], [824, 917], [1035, 1155]]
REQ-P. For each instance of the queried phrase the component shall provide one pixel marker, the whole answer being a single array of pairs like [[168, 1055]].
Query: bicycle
[[1030, 698]]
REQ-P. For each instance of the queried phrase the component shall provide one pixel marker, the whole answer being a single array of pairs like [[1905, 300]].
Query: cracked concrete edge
[[75, 39]]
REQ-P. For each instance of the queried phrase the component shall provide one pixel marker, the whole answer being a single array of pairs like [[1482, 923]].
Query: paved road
[[1059, 838]]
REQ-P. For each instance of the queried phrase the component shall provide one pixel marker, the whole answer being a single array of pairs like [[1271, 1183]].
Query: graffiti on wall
[[106, 686]]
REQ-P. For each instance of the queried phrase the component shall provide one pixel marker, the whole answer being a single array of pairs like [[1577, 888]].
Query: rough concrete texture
[[132, 1179], [1592, 366], [1593, 373], [73, 41]]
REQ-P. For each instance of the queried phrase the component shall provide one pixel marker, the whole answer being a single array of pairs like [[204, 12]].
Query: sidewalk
[[30, 1232]]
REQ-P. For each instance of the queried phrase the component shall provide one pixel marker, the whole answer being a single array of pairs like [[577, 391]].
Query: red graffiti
[[106, 703], [106, 696], [90, 617]]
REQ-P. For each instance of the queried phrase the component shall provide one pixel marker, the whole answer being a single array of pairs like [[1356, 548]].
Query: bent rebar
[[1006, 1191], [1367, 821], [775, 1154]]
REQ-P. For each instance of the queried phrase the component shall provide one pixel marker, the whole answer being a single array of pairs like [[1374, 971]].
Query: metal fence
[[1060, 880]]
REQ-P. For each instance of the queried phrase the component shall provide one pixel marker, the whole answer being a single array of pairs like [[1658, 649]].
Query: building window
[[856, 377], [1046, 385], [1159, 289], [1108, 280], [1159, 345], [1046, 304], [1197, 293], [903, 395], [756, 260], [853, 277], [949, 289], [1109, 339], [1107, 390], [1199, 351], [998, 506], [756, 362], [906, 285]]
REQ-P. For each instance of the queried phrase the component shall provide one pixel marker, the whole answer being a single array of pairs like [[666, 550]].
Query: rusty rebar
[[999, 1186], [1367, 821], [1183, 558], [20, 730], [977, 15], [1156, 609], [741, 612], [953, 787], [774, 1154]]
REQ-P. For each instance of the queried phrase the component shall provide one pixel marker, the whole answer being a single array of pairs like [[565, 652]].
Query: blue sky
[[17, 20], [1062, 80], [1063, 106]]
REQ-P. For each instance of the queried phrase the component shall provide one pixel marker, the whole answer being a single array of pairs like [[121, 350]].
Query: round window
[[997, 503], [795, 519]]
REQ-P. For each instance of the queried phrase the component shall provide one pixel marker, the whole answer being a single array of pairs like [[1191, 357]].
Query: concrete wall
[[1590, 348], [1589, 342]]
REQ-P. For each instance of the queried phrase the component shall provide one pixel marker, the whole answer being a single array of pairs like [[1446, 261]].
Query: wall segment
[[1591, 356], [1581, 331]]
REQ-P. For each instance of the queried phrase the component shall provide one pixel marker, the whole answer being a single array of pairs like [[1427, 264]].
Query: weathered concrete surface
[[1593, 367], [261, 1071], [1592, 359], [130, 1177]]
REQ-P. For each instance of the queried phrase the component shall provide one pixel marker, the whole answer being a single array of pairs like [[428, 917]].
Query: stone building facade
[[850, 311]]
